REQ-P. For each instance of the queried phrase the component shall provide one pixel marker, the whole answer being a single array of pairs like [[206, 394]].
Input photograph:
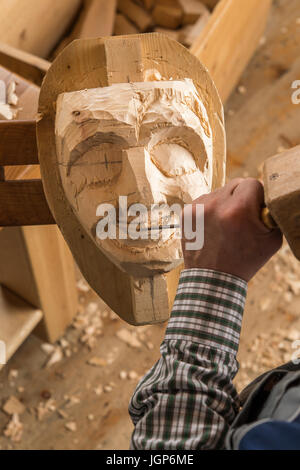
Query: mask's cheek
[[192, 186], [86, 201]]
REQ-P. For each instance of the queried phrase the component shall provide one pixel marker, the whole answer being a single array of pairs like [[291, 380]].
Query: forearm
[[187, 400]]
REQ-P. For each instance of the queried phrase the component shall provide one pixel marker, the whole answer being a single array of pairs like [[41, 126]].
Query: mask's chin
[[143, 258]]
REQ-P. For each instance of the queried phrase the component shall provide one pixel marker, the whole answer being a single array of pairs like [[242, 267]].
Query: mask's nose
[[136, 181]]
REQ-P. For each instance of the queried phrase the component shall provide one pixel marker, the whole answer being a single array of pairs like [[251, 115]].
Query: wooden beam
[[35, 26], [124, 26], [18, 143], [35, 261], [27, 65], [17, 318], [99, 19], [229, 40], [140, 17], [23, 203], [96, 19]]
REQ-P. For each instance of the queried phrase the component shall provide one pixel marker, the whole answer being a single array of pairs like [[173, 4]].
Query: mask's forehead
[[130, 111], [128, 102]]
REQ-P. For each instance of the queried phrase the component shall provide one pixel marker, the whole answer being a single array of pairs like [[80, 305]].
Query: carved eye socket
[[178, 151], [173, 159], [97, 166]]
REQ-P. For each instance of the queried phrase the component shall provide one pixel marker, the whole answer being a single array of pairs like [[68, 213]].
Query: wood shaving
[[265, 304], [12, 97], [8, 97], [56, 357], [14, 429], [242, 90], [294, 286], [45, 408], [71, 426], [98, 390], [71, 401], [123, 375], [82, 286], [2, 92], [92, 308], [6, 112], [47, 348], [113, 316], [64, 343], [13, 374], [132, 375], [129, 338], [62, 414], [97, 362], [13, 406]]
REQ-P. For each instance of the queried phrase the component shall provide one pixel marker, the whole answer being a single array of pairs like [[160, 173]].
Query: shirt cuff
[[208, 309]]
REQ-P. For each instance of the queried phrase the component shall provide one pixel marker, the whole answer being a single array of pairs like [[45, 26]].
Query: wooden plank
[[27, 65], [46, 278], [282, 194], [53, 268], [33, 26], [23, 203], [17, 319], [210, 3], [28, 95], [136, 14], [96, 19], [123, 26], [18, 143], [99, 19], [192, 10], [189, 34], [229, 39], [169, 16]]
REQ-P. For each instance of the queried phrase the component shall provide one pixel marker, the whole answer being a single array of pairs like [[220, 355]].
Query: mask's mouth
[[144, 232]]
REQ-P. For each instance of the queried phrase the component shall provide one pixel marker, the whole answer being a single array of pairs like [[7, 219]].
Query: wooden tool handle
[[268, 219]]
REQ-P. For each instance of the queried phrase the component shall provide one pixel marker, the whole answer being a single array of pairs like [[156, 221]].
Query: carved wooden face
[[149, 141]]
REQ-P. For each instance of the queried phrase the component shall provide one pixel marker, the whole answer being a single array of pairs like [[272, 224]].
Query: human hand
[[235, 239]]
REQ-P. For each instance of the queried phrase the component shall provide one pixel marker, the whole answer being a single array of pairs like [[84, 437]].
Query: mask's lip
[[147, 244]]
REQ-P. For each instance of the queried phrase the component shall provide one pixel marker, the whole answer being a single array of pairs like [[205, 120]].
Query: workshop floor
[[81, 401]]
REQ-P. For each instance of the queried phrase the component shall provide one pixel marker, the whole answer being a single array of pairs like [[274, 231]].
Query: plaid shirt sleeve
[[187, 400]]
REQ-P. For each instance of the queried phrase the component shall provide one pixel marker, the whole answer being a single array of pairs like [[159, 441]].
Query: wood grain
[[35, 261], [96, 19], [23, 203], [27, 65], [229, 40], [35, 26], [282, 194], [100, 60], [18, 143], [17, 318]]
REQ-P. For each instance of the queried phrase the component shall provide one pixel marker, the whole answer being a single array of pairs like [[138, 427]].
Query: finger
[[251, 192], [225, 191]]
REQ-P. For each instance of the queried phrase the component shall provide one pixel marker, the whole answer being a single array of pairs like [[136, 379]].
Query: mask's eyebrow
[[93, 141]]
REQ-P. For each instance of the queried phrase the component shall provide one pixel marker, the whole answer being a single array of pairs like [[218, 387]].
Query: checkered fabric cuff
[[208, 309]]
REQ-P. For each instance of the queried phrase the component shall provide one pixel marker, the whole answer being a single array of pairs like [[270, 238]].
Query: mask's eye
[[178, 151], [96, 166], [173, 159]]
